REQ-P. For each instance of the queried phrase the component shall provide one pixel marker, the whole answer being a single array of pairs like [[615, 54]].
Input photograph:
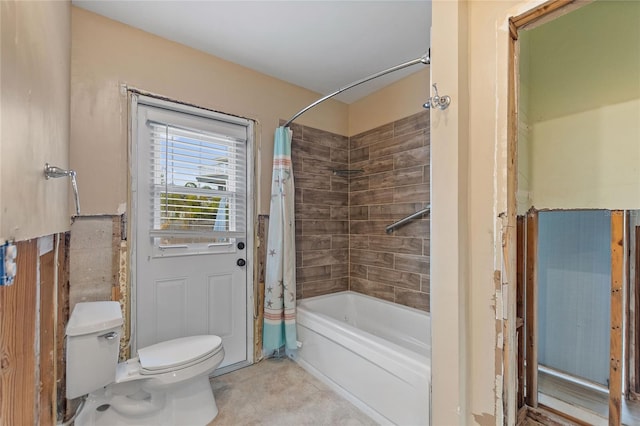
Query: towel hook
[[437, 101]]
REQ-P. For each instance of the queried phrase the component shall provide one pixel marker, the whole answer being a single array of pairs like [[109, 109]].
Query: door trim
[[135, 97]]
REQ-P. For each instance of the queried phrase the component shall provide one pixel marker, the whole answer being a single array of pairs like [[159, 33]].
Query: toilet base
[[191, 404]]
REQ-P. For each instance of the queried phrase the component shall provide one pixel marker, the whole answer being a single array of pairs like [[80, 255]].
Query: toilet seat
[[177, 354]]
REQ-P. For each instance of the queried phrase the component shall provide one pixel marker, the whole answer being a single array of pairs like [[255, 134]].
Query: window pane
[[199, 184]]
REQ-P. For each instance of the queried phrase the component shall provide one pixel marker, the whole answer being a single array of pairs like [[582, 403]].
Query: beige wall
[[34, 117], [394, 102], [107, 54], [588, 160], [452, 386], [584, 114]]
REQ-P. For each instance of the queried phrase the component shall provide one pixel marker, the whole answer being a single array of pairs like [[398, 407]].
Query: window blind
[[198, 181]]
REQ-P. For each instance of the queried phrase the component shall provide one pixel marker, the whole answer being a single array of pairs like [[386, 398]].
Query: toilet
[[165, 384]]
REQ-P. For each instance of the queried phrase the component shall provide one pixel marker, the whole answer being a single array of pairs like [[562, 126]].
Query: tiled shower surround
[[340, 220]]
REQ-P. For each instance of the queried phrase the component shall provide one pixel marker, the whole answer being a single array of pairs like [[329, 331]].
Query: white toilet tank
[[93, 343]]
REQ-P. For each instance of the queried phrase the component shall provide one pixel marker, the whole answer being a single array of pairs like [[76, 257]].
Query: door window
[[197, 175]]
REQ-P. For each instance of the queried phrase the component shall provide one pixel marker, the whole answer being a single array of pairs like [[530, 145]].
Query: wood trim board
[[520, 308], [617, 309], [531, 297]]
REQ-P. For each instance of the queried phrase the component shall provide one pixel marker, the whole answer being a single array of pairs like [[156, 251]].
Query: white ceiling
[[319, 45]]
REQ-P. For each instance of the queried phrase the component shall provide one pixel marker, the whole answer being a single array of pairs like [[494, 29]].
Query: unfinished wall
[[322, 213], [470, 296], [394, 183], [574, 292], [33, 312], [94, 259]]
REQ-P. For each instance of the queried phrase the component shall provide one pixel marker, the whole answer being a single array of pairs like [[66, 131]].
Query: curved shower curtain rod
[[425, 59]]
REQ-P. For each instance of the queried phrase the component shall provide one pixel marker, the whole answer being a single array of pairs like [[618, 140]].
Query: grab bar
[[407, 219]]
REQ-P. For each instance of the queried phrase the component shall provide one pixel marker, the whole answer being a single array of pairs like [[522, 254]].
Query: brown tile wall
[[340, 222], [394, 184], [322, 211]]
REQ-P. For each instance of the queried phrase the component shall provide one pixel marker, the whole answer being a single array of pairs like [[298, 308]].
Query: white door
[[191, 249]]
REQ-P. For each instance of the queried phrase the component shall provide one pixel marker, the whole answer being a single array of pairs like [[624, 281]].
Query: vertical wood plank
[[634, 337], [617, 278], [62, 318], [630, 308], [531, 300], [520, 290], [635, 362], [510, 350], [17, 340], [263, 221], [47, 410]]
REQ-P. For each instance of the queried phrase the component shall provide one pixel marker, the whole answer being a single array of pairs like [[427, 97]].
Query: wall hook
[[437, 101]]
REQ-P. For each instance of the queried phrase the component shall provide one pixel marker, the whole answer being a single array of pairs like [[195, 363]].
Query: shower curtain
[[280, 270]]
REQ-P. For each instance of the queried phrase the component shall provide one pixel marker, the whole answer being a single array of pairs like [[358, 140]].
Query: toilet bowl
[[165, 384]]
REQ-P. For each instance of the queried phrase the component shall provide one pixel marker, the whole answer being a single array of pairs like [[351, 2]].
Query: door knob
[[241, 262], [240, 245]]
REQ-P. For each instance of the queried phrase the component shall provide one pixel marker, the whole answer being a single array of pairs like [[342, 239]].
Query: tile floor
[[279, 392]]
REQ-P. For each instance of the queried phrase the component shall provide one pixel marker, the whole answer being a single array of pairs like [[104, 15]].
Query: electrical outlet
[[8, 269]]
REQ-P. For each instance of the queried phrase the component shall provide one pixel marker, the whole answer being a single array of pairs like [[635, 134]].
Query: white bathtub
[[374, 353]]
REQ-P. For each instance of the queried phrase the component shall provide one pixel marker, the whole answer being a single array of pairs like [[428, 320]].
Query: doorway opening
[[573, 193]]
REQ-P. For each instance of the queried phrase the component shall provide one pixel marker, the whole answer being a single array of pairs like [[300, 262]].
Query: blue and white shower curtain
[[280, 270]]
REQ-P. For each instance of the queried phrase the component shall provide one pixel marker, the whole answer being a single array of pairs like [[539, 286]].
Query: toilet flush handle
[[109, 336]]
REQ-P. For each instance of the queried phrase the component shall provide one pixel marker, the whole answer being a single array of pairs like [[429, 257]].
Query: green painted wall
[[581, 94]]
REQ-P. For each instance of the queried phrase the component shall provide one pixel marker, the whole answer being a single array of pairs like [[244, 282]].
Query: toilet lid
[[177, 352]]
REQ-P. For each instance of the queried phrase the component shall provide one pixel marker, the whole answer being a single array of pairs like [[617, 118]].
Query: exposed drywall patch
[[485, 419], [93, 258], [497, 297], [45, 245]]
